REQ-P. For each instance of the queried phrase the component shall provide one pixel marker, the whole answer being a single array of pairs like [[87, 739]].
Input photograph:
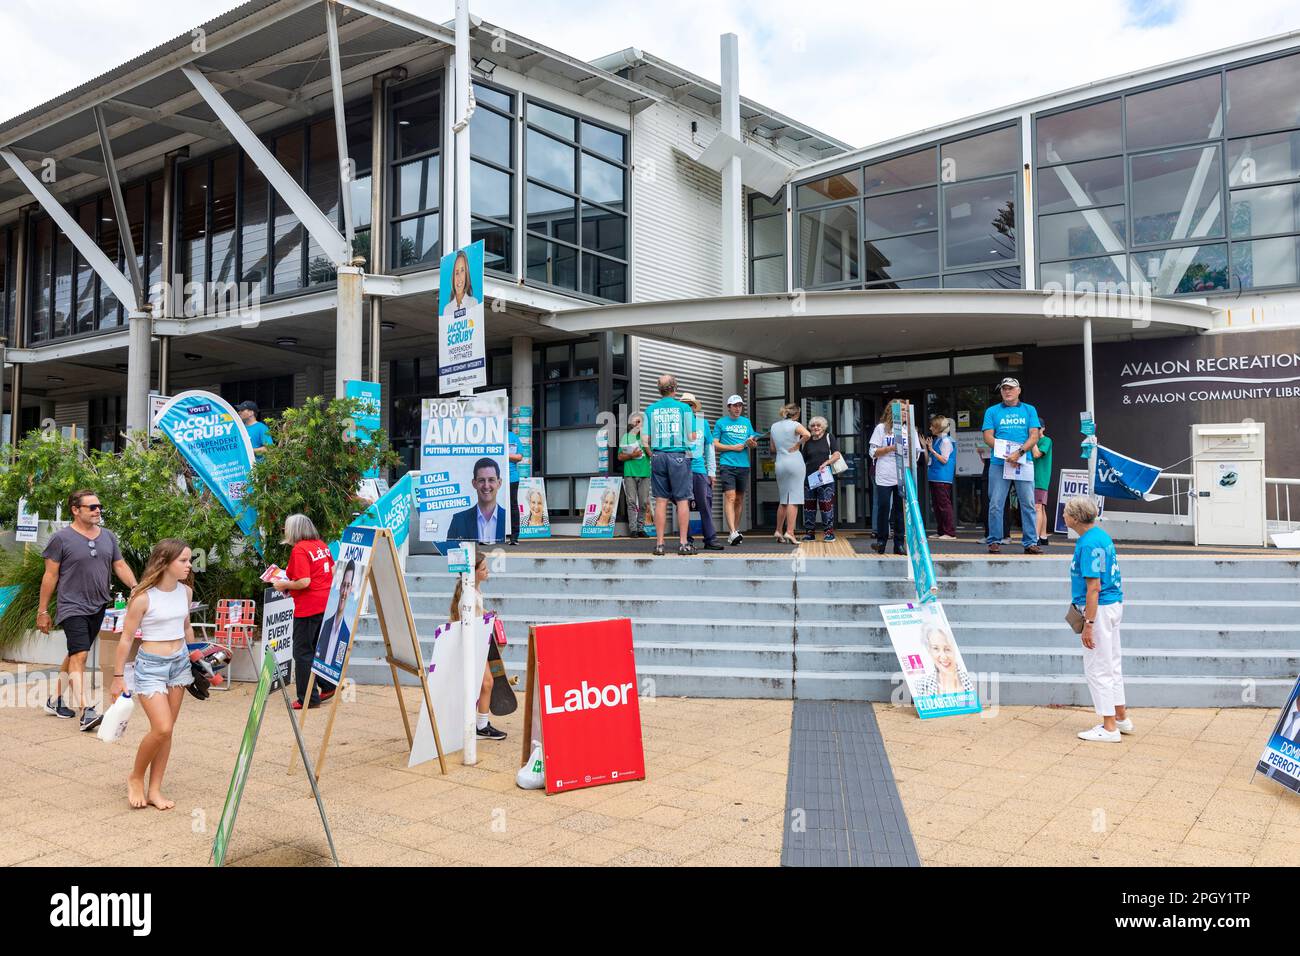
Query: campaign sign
[[1119, 476], [534, 515], [602, 507], [341, 609], [369, 394], [591, 718], [1072, 482], [28, 522], [930, 660], [463, 467], [277, 631], [1281, 758], [392, 511], [247, 744], [462, 349], [214, 442]]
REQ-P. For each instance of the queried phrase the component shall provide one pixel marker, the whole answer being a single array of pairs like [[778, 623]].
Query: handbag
[[1074, 617], [839, 466]]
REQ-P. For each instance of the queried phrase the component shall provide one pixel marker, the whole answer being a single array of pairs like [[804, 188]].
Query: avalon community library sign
[[1149, 393]]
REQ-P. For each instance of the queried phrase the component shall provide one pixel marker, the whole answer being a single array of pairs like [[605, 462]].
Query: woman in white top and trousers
[[159, 608]]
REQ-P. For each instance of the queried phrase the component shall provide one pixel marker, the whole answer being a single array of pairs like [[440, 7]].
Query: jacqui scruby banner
[[214, 442]]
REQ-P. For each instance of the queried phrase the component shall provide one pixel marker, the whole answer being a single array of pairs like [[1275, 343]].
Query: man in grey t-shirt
[[78, 562]]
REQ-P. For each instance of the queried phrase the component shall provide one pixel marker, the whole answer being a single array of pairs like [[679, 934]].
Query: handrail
[[1177, 496]]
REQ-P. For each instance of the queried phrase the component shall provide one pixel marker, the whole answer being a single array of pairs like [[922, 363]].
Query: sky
[[861, 71]]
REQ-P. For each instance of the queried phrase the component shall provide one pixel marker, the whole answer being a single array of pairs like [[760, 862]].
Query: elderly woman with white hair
[[820, 453], [1096, 593], [308, 580]]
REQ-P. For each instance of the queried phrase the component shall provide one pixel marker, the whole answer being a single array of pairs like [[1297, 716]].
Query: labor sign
[[587, 691]]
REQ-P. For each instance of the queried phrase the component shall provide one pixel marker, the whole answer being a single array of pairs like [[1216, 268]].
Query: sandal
[[659, 550], [686, 549]]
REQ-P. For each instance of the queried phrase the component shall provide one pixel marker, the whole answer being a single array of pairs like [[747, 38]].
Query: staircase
[[1197, 631]]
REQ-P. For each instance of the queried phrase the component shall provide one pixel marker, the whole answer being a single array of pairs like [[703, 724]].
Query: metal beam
[[346, 168], [171, 120], [91, 252], [306, 50], [119, 208], [317, 224], [272, 94], [88, 166], [402, 19]]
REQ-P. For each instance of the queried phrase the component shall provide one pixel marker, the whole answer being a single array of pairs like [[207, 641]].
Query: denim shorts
[[155, 674], [670, 476]]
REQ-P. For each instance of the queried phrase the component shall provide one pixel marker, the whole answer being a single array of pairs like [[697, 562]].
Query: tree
[[314, 468]]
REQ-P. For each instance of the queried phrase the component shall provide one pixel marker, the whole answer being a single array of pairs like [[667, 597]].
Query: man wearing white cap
[[735, 436], [1014, 421]]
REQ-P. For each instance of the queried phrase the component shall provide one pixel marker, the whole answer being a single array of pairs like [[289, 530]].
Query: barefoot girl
[[160, 608]]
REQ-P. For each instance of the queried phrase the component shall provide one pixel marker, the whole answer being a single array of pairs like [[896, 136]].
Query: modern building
[[641, 219]]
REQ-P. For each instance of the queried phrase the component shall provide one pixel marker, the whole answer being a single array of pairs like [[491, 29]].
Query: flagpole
[[1088, 400]]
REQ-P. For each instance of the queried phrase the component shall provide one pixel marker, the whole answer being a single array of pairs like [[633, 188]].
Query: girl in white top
[[159, 608]]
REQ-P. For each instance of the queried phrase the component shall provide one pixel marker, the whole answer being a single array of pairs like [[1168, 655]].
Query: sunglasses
[[92, 507]]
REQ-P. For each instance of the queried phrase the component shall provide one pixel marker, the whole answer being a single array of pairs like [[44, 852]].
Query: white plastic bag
[[531, 775], [113, 726]]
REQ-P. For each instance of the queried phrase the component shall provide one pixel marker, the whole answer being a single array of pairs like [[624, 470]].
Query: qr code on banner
[[235, 489]]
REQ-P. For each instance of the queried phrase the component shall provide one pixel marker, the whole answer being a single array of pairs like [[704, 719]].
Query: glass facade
[[415, 174], [492, 177], [8, 267], [942, 215], [767, 243], [1131, 189], [575, 203]]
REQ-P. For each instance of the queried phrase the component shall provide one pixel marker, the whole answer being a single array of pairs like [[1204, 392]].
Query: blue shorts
[[733, 478], [155, 674], [670, 476]]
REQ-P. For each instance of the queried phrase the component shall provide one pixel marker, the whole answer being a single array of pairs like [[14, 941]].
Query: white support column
[[137, 372], [108, 273], [732, 189], [348, 329], [1025, 221], [464, 99], [318, 225]]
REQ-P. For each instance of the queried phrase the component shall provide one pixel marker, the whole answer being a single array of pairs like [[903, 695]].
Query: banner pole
[[1088, 399], [469, 629]]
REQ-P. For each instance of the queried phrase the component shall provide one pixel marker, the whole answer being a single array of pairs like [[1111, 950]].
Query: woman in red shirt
[[310, 576]]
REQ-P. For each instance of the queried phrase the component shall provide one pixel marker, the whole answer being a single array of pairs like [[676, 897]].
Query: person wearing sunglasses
[[79, 563]]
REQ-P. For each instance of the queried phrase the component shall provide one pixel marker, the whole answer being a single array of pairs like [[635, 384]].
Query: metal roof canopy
[[840, 325], [267, 58]]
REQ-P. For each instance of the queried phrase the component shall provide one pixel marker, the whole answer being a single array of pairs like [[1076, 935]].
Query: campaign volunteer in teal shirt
[[1014, 421], [1096, 589], [703, 468], [259, 436], [731, 437], [671, 425]]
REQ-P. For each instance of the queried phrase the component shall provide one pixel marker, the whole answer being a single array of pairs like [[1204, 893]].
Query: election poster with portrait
[[464, 492], [931, 662], [342, 608], [462, 343], [1280, 761], [602, 507], [214, 442], [534, 515]]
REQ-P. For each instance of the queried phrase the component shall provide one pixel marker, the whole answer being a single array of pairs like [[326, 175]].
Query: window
[[106, 422], [415, 168], [492, 177], [575, 203], [7, 256], [910, 221], [1131, 190], [272, 395], [767, 243]]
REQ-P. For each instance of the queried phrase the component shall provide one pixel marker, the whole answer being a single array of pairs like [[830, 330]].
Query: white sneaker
[[1100, 734], [735, 538], [1124, 726]]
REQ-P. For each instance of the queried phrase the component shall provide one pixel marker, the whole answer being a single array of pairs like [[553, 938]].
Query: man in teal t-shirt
[[733, 437], [670, 424], [703, 469], [1042, 452], [259, 436]]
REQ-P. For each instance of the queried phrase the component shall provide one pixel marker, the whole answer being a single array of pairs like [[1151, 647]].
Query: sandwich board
[[380, 576]]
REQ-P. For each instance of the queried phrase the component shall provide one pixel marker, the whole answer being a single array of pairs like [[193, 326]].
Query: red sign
[[587, 697]]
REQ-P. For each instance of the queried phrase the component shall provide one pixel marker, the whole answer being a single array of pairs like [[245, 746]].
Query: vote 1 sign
[[583, 688]]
